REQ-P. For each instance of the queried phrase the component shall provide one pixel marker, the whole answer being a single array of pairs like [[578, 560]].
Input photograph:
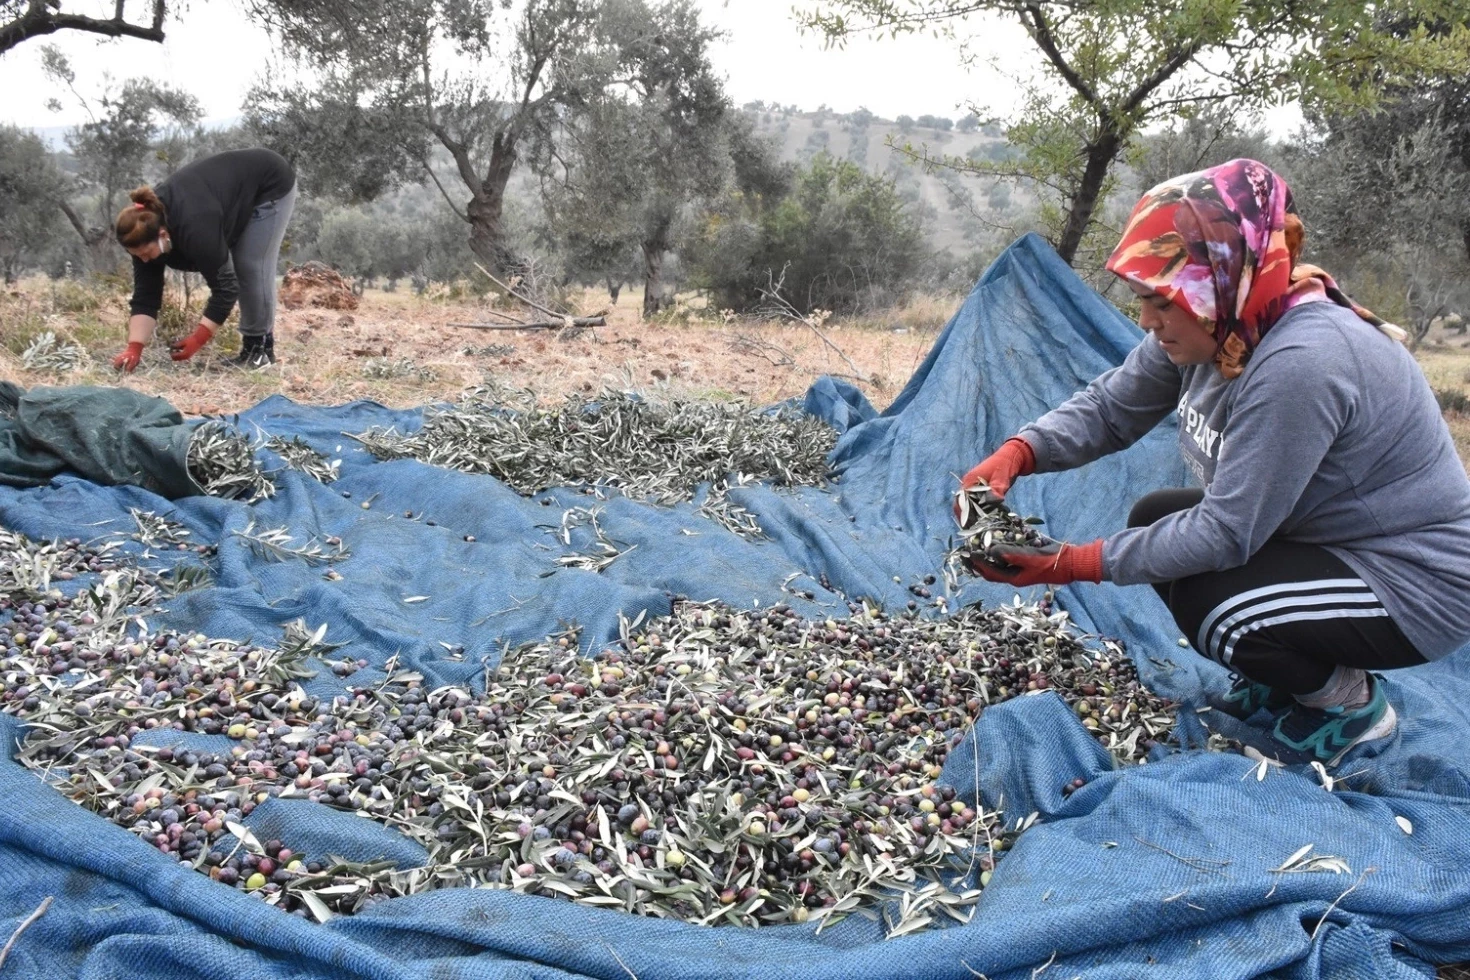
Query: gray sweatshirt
[[1331, 436]]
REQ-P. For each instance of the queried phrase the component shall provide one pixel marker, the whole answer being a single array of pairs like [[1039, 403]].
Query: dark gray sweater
[[209, 203], [1331, 436]]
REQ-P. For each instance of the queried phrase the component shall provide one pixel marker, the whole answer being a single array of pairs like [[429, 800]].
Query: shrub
[[846, 239]]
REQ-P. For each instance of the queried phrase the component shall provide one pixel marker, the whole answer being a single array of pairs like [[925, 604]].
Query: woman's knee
[[1153, 507]]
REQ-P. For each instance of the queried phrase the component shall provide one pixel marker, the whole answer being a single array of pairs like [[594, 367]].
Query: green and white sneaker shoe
[[1246, 697], [1325, 735]]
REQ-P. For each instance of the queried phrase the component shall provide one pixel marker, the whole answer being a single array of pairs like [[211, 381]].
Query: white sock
[[1347, 687]]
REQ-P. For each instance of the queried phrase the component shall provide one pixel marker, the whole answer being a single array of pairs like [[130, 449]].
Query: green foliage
[[817, 141], [1108, 68], [30, 187], [348, 243], [1203, 139], [845, 239], [138, 131], [1386, 201], [137, 125], [486, 84], [635, 164], [410, 234], [339, 147]]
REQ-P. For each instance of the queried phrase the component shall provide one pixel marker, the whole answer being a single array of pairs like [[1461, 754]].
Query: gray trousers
[[255, 256]]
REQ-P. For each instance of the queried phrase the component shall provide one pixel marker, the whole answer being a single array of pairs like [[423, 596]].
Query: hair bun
[[141, 222], [1296, 234]]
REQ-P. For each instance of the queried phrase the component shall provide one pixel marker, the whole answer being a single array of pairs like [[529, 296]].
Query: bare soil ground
[[401, 350], [329, 357]]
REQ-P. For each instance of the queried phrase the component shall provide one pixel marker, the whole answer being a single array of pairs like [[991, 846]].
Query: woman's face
[[1177, 331], [152, 250]]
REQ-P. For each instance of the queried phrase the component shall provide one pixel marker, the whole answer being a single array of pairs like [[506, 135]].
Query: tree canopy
[[390, 86], [1109, 68]]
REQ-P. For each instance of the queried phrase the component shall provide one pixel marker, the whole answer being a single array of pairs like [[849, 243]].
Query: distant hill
[[55, 136], [861, 138], [866, 141]]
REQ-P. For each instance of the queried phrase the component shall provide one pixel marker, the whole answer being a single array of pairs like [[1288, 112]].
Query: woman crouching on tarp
[[223, 217], [1332, 536]]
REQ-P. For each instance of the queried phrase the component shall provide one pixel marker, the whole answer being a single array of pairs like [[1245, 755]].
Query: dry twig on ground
[[778, 307], [744, 343]]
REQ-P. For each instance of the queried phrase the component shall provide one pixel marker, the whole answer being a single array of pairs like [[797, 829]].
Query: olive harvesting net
[[345, 684], [715, 765]]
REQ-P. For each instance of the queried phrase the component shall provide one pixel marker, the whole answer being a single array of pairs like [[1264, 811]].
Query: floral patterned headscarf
[[1222, 244]]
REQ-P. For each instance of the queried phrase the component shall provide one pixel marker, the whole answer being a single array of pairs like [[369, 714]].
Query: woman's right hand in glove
[[999, 470], [130, 357]]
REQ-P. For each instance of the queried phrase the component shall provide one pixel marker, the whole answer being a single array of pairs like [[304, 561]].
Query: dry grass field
[[401, 350]]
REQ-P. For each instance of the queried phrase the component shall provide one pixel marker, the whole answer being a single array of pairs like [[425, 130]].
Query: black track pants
[[1287, 617]]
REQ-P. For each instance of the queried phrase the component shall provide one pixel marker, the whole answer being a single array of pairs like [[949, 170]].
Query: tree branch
[[41, 19], [429, 169], [1159, 77], [457, 149], [40, 911], [529, 302], [76, 221], [1040, 32], [571, 321]]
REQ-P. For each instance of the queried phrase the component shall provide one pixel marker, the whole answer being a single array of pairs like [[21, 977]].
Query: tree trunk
[[1100, 156], [613, 288], [486, 212], [486, 232], [98, 241], [653, 267]]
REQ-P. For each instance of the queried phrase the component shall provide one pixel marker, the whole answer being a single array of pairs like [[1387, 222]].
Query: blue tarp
[[1164, 870]]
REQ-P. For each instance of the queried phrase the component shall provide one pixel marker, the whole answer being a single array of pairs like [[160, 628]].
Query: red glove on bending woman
[[182, 350], [1053, 563], [130, 358]]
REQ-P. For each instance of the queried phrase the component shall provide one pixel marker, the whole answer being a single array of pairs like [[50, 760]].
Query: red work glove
[[1054, 563], [130, 358], [182, 350], [1014, 458]]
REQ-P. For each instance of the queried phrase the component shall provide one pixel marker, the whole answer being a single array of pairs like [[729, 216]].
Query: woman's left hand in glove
[[1044, 563], [182, 350]]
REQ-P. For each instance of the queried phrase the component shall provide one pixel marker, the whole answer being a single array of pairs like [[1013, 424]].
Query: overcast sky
[[216, 53]]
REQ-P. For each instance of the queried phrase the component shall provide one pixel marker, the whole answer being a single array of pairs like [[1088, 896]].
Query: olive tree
[[1109, 68], [137, 131], [841, 239], [31, 186], [626, 173], [455, 92], [1386, 201]]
